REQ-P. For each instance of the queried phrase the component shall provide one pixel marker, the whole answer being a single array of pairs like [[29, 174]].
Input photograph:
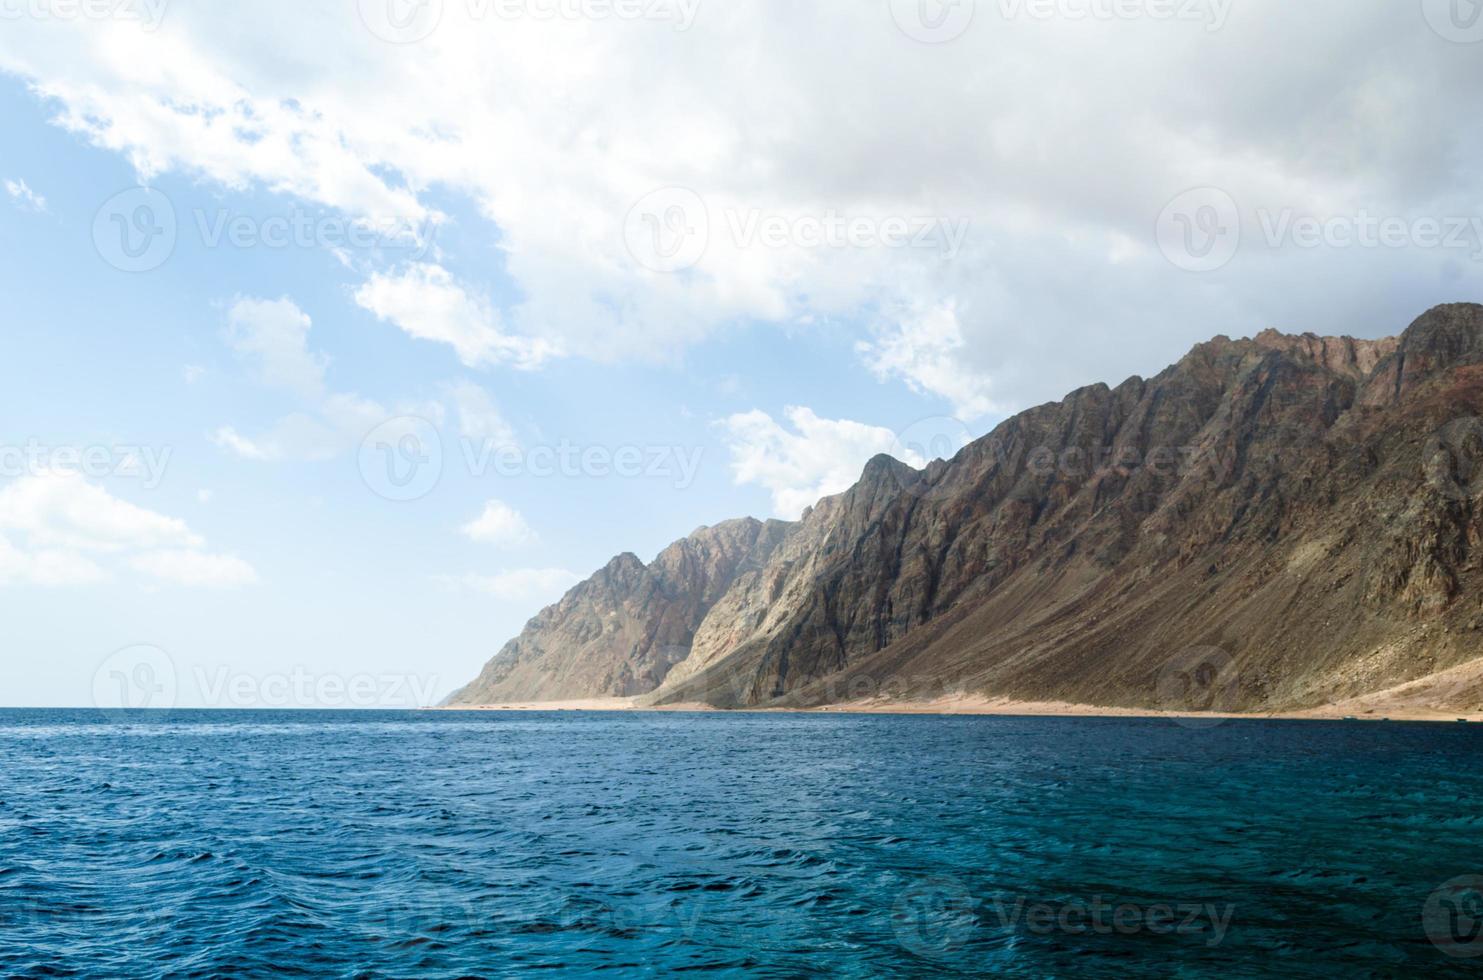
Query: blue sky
[[346, 582], [763, 240]]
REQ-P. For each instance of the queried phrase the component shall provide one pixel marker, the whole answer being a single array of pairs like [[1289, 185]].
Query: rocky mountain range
[[1271, 523]]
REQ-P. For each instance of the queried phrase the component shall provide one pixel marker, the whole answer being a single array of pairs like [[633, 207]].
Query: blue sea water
[[470, 844]]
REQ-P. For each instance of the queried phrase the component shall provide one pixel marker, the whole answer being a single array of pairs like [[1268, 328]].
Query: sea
[[483, 844]]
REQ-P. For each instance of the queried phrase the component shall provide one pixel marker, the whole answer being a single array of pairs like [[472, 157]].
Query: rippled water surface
[[452, 844]]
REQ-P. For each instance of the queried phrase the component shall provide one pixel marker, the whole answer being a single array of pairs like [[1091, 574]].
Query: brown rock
[[1300, 504], [620, 632]]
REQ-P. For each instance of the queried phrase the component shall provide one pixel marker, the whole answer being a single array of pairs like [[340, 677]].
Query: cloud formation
[[816, 458], [73, 532], [925, 350], [650, 185], [425, 302], [23, 197], [273, 337], [501, 525]]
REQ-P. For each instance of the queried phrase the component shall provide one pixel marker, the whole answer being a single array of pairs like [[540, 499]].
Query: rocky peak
[[619, 633], [621, 572], [1442, 338], [1344, 356]]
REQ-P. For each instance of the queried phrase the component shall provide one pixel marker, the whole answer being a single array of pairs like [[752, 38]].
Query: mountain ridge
[[1079, 550]]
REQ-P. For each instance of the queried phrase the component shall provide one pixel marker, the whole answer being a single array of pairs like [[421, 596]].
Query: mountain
[[1271, 523], [621, 631]]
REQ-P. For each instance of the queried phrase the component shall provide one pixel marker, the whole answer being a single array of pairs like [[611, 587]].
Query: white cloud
[[556, 127], [817, 458], [354, 416], [23, 197], [77, 533], [163, 100], [193, 373], [425, 301], [273, 337], [195, 568], [60, 509], [298, 436], [500, 525], [336, 426], [230, 439], [925, 349], [47, 567], [518, 585], [478, 416]]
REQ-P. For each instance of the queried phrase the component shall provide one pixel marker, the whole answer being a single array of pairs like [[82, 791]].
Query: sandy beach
[[1366, 709], [1451, 695]]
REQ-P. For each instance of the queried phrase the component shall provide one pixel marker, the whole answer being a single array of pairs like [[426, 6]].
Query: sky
[[342, 337]]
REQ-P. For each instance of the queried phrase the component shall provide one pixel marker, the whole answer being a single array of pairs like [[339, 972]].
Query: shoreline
[[1422, 699], [1357, 710]]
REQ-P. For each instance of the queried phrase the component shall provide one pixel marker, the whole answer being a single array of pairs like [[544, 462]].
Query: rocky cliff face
[[621, 631], [1275, 522]]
